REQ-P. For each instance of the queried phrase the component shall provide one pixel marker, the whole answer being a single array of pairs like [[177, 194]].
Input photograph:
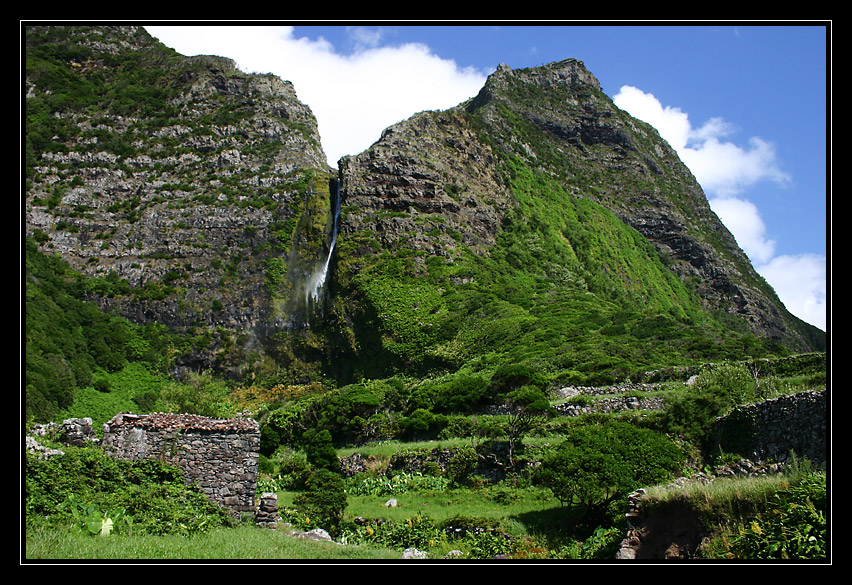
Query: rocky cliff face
[[201, 191], [204, 191], [452, 165]]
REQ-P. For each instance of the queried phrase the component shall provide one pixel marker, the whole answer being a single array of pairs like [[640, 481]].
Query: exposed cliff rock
[[426, 173], [441, 179], [195, 183], [200, 198]]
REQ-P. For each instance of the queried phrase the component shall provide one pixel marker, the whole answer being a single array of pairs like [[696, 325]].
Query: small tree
[[323, 501], [530, 409], [600, 463], [319, 449]]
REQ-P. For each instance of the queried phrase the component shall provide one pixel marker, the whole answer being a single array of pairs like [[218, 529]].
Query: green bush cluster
[[322, 502], [394, 484], [691, 411], [84, 484], [598, 464], [792, 525]]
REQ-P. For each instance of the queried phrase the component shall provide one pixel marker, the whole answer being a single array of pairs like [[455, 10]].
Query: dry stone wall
[[220, 455], [772, 429]]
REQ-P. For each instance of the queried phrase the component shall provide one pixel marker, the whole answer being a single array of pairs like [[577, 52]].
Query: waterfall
[[317, 279]]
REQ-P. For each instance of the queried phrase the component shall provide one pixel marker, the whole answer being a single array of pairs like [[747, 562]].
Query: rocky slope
[[535, 222], [197, 184], [451, 167]]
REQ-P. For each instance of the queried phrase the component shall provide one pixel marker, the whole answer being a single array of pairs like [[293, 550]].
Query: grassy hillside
[[567, 288]]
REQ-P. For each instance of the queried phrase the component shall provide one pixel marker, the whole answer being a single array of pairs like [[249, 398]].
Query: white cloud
[[725, 171], [800, 282], [380, 85], [743, 219]]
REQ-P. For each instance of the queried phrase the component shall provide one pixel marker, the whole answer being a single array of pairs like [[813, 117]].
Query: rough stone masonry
[[220, 455]]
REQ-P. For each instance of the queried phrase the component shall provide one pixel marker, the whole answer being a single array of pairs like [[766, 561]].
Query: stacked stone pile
[[72, 431], [613, 404], [266, 514], [572, 391]]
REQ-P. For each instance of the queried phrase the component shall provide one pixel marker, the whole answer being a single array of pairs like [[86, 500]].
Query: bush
[[692, 411], [600, 463], [319, 450], [394, 484], [509, 377], [101, 383], [149, 494], [415, 532], [792, 525], [463, 393], [323, 501], [422, 424]]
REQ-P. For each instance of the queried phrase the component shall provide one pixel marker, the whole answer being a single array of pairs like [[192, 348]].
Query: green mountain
[[535, 225], [539, 224]]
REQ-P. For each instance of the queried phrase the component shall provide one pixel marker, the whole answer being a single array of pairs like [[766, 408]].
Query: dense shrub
[[692, 410], [792, 525], [422, 424], [319, 449], [464, 393], [153, 495], [394, 484], [600, 463], [323, 501], [508, 377]]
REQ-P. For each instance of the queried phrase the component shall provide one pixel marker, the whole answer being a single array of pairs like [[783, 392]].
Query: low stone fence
[[220, 455], [774, 428], [613, 404]]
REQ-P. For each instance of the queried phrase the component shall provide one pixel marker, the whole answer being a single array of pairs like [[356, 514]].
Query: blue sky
[[744, 105]]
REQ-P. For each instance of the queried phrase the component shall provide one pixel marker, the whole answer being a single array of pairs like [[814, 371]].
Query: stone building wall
[[220, 455]]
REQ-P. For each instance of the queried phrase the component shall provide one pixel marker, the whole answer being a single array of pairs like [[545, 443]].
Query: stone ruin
[[219, 455]]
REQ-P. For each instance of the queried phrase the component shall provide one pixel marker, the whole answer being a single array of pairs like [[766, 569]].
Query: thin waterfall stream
[[317, 280]]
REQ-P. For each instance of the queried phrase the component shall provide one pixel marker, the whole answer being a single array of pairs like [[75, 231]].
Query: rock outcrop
[[199, 197], [200, 202], [439, 179]]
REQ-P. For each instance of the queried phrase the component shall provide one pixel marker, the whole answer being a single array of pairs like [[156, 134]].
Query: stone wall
[[220, 455], [771, 429], [588, 399]]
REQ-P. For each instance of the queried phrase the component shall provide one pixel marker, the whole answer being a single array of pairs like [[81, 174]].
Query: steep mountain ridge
[[519, 184], [581, 138], [535, 223]]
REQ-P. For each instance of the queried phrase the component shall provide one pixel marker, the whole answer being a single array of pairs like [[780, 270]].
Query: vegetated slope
[[534, 224], [538, 223], [197, 196]]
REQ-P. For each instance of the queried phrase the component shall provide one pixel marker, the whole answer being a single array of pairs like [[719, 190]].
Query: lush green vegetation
[[76, 355], [415, 356], [526, 515], [305, 426], [80, 82], [568, 289], [782, 516], [83, 488]]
